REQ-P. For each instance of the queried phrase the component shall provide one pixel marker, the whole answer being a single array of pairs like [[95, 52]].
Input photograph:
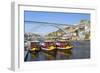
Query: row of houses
[[80, 31]]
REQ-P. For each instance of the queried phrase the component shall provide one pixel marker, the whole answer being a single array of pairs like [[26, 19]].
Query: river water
[[81, 50]]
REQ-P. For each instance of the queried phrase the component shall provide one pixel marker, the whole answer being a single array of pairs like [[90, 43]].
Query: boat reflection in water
[[58, 55], [46, 55], [50, 55], [63, 54], [34, 56]]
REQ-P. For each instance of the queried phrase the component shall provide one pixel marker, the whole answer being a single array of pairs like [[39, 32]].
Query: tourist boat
[[64, 45], [48, 46], [34, 47]]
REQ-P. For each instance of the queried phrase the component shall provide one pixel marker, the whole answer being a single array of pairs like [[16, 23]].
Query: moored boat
[[34, 47], [48, 46], [64, 45]]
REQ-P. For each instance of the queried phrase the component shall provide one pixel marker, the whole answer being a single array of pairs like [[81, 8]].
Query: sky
[[50, 17]]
